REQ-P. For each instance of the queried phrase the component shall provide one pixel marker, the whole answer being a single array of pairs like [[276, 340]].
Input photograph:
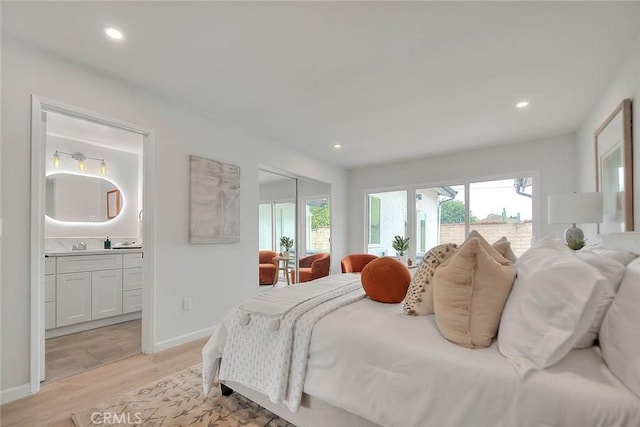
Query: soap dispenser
[[107, 243]]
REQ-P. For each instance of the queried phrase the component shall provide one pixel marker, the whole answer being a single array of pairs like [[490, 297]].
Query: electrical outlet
[[186, 304]]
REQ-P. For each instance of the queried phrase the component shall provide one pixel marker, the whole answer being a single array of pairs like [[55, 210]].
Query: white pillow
[[613, 271], [623, 257], [619, 336], [552, 305], [628, 241]]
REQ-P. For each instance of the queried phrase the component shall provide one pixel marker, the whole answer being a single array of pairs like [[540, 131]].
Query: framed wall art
[[614, 170], [214, 197]]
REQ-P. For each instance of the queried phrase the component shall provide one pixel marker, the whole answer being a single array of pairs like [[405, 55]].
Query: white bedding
[[397, 370], [263, 342]]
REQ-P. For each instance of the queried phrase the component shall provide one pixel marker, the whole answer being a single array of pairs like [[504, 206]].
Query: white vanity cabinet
[[49, 293], [73, 298], [83, 288], [106, 293]]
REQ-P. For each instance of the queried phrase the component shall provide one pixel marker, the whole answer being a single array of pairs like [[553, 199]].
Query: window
[[285, 222], [318, 225], [446, 214], [275, 220], [374, 220], [265, 231], [440, 214], [503, 208], [387, 218]]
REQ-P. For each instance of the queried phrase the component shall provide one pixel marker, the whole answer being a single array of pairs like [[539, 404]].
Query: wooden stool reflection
[[283, 265]]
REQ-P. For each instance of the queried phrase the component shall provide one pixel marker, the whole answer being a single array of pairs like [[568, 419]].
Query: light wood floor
[[55, 402], [74, 353]]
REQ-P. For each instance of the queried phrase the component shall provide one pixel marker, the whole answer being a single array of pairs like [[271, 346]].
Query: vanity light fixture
[[522, 104], [81, 159]]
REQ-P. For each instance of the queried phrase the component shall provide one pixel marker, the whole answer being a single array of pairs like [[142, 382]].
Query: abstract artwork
[[215, 201]]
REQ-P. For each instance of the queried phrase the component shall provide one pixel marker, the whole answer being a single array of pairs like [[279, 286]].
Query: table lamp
[[575, 208]]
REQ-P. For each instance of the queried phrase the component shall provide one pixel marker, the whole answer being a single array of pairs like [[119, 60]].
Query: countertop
[[66, 252]]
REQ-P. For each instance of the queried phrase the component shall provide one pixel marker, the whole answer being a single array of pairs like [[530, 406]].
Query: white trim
[[14, 393], [183, 339], [38, 105]]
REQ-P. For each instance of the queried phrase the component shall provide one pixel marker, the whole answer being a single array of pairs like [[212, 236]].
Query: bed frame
[[313, 411]]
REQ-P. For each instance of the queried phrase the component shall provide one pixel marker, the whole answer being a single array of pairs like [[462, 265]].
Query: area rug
[[178, 400]]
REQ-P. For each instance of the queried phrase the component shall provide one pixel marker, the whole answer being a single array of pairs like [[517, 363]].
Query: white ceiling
[[389, 80]]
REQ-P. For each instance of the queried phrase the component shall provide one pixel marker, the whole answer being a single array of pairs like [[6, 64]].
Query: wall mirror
[[614, 170], [79, 198], [298, 208]]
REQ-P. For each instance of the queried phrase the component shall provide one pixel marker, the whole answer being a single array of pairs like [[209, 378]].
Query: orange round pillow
[[386, 280]]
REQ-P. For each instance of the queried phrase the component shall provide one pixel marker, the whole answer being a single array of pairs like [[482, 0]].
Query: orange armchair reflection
[[268, 268], [312, 267], [354, 263]]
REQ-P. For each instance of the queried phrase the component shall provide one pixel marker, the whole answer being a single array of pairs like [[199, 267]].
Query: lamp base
[[574, 237]]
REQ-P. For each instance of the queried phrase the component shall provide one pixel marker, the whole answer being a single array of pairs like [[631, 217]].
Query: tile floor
[[71, 354]]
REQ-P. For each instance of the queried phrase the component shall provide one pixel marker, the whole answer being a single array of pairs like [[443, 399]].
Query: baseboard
[[183, 339], [14, 393]]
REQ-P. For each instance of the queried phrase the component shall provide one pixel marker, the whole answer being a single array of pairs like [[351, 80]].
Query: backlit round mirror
[[81, 198]]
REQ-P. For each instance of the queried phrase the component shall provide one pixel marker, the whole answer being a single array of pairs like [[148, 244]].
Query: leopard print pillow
[[419, 299]]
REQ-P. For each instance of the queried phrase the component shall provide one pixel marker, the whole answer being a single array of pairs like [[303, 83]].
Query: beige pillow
[[419, 299], [503, 246], [470, 292]]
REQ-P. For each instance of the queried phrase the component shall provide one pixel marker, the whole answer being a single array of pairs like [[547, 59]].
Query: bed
[[367, 363]]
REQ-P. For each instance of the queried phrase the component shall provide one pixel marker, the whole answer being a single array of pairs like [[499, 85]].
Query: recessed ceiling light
[[522, 104], [114, 34], [337, 145]]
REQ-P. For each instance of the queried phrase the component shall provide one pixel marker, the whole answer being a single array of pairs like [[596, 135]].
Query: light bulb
[[103, 168], [82, 166], [56, 160]]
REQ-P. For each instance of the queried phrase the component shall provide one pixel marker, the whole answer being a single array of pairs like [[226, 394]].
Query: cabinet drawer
[[50, 288], [72, 264], [132, 260], [49, 265], [132, 278], [50, 315], [131, 301]]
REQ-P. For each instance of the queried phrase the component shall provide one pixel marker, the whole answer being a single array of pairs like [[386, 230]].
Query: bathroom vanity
[[91, 288]]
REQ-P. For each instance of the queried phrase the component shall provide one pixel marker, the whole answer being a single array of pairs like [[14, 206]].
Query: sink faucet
[[81, 246]]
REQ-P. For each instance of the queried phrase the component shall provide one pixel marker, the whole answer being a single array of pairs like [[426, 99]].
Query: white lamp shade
[[575, 208]]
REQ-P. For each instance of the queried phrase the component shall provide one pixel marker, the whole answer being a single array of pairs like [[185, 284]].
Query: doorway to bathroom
[[91, 243]]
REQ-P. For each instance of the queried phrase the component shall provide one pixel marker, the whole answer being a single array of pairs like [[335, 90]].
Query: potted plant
[[286, 243], [400, 244]]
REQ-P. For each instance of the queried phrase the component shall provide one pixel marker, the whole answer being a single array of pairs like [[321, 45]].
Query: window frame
[[466, 182]]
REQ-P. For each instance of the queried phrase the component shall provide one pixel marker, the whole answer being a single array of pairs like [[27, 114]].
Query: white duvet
[[397, 370], [263, 343]]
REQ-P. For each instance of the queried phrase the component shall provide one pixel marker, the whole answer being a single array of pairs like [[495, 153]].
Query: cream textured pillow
[[419, 300], [470, 291]]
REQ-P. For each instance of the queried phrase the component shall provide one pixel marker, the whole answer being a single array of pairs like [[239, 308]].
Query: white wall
[[215, 276], [626, 84], [552, 158]]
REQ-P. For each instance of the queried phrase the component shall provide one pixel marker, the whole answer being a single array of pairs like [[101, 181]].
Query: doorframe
[[38, 150]]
